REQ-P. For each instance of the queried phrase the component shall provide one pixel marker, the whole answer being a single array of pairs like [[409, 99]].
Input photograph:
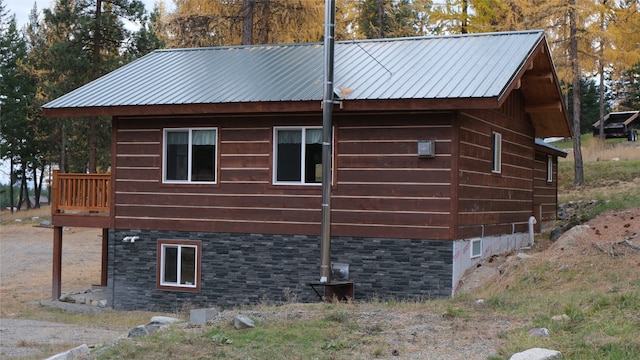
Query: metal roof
[[551, 148], [446, 67]]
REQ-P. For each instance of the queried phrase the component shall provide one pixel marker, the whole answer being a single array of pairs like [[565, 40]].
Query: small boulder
[[164, 320], [76, 353], [156, 327], [243, 322], [539, 332], [537, 354], [555, 234], [138, 331]]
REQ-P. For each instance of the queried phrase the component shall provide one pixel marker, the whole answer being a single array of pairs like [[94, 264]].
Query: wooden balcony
[[81, 200]]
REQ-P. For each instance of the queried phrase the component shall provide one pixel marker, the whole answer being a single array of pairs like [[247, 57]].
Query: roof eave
[[550, 118], [187, 109], [358, 105]]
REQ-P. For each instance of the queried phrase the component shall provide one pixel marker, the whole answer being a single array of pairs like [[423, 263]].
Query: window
[[190, 155], [298, 155], [549, 168], [179, 265], [476, 248], [496, 139]]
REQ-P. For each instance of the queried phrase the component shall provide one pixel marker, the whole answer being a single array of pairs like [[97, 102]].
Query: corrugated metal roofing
[[463, 66], [542, 143]]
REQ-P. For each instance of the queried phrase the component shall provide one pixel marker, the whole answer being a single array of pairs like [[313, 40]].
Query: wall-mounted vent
[[339, 271], [426, 148]]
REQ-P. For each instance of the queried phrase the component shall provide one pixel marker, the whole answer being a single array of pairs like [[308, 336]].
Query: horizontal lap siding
[[380, 186], [488, 203], [383, 188], [545, 193], [243, 200]]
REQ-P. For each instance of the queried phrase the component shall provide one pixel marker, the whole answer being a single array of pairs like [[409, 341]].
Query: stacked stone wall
[[242, 269]]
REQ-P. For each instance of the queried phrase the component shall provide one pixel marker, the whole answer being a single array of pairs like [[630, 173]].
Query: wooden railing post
[[55, 193]]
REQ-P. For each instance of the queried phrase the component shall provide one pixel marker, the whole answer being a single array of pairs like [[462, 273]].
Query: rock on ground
[[537, 354]]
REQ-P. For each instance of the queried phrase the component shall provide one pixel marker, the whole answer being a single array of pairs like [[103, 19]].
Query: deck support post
[[105, 258], [56, 288]]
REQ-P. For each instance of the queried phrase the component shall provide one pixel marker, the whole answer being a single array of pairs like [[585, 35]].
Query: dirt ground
[[25, 279]]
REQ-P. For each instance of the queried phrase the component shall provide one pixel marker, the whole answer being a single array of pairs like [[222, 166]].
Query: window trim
[[496, 152], [472, 255], [549, 169], [189, 156], [160, 268], [302, 182]]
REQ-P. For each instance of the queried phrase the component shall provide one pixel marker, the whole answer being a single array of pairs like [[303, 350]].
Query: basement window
[[297, 155], [476, 248], [549, 168], [179, 265], [496, 161], [190, 155]]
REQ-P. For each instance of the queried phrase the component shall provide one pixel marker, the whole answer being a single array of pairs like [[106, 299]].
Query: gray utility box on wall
[[426, 148]]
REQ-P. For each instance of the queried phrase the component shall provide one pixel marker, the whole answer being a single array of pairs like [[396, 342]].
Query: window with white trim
[[476, 248], [190, 155], [179, 264], [496, 159], [549, 168], [297, 155]]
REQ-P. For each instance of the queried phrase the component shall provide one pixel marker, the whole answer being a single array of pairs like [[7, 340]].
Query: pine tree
[[15, 94]]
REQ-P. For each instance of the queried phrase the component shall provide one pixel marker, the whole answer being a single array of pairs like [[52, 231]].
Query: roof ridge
[[352, 41]]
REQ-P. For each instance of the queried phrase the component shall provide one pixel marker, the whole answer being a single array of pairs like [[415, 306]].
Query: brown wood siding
[[495, 203], [545, 199], [380, 187]]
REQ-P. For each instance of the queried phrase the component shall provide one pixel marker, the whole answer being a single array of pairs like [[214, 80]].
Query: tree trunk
[[37, 185], [12, 176], [465, 17], [601, 96], [380, 19], [247, 22], [577, 151], [601, 71]]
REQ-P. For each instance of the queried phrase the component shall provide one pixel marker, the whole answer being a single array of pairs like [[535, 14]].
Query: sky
[[22, 7]]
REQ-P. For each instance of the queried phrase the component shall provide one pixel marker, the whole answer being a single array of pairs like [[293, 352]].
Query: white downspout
[[532, 221]]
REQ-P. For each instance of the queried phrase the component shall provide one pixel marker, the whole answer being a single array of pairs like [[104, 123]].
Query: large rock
[[164, 320], [201, 316], [537, 354], [77, 353]]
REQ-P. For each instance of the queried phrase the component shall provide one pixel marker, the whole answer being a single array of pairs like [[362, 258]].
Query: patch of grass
[[307, 339]]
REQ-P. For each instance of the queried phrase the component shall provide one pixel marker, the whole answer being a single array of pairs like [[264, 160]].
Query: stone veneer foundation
[[241, 269]]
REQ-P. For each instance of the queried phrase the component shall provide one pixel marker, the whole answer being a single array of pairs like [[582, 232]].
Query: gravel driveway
[[20, 338], [25, 281]]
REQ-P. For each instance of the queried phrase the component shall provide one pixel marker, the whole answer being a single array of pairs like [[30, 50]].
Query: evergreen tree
[[15, 94], [590, 104]]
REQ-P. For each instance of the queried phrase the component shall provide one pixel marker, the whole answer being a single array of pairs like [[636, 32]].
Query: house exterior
[[214, 198]]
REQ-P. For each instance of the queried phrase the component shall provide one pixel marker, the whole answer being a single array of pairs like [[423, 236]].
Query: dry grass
[[593, 150], [27, 216]]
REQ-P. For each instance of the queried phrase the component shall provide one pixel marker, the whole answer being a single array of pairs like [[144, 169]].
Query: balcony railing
[[80, 193]]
